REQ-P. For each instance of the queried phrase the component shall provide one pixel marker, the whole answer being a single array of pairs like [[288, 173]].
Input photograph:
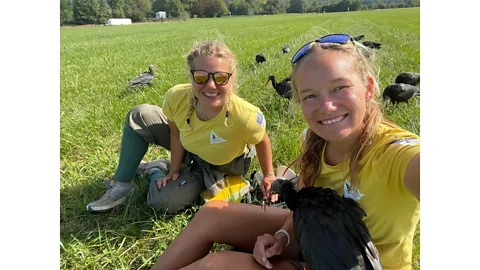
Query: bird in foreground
[[329, 228], [371, 44], [357, 38], [283, 88], [260, 58], [286, 49], [144, 79], [408, 78], [400, 92]]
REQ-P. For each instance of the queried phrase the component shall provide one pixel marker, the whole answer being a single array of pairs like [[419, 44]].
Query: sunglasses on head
[[333, 38], [202, 77]]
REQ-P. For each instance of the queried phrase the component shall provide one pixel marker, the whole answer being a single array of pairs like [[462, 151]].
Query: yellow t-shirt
[[211, 140], [392, 210]]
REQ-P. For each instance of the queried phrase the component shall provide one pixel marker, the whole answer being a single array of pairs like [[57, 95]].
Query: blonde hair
[[309, 161], [212, 49]]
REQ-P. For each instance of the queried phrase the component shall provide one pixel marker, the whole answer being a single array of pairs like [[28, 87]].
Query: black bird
[[260, 58], [329, 228], [408, 78], [357, 38], [371, 44], [400, 92], [283, 88], [143, 79], [286, 49]]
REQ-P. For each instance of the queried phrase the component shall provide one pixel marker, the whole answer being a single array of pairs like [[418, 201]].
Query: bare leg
[[234, 224], [236, 260]]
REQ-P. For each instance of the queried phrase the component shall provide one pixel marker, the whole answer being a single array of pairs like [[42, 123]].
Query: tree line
[[80, 12]]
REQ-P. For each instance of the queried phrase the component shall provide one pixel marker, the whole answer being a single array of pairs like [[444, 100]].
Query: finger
[[259, 253], [274, 198], [165, 181]]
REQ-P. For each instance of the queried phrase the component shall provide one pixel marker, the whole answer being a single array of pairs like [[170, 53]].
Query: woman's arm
[[177, 151], [264, 153], [411, 179], [176, 147]]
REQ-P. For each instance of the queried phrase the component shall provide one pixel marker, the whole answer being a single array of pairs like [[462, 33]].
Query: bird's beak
[[266, 84], [156, 68]]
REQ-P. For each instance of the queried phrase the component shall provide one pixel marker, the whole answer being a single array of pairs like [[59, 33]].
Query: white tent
[[119, 21], [161, 14]]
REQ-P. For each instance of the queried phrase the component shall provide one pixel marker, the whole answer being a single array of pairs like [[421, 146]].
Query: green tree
[[117, 7], [174, 8], [86, 11], [159, 5], [209, 8], [104, 13], [238, 7], [66, 12]]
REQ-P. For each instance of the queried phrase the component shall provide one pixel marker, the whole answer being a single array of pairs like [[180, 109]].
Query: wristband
[[286, 234]]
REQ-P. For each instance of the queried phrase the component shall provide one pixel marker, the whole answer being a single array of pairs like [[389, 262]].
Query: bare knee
[[213, 261]]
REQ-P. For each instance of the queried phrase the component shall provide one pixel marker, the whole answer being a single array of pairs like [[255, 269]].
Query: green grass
[[96, 65]]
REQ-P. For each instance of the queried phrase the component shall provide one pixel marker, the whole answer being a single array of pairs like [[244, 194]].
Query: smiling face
[[210, 94], [332, 95]]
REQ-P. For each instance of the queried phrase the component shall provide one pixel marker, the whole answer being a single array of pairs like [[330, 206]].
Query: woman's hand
[[266, 247], [172, 175], [266, 184]]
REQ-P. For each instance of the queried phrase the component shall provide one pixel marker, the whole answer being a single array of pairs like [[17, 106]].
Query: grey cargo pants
[[148, 122]]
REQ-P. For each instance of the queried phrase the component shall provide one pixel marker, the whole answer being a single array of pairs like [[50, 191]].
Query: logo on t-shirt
[[214, 138], [409, 141], [351, 193], [260, 119]]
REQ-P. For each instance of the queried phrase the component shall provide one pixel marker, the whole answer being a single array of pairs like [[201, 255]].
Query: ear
[[370, 88]]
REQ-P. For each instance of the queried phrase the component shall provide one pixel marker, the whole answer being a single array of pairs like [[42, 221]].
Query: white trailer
[[119, 21]]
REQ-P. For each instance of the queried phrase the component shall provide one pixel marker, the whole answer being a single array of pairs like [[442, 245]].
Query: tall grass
[[96, 65]]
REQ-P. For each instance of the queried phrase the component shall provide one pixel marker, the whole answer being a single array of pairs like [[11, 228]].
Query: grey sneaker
[[145, 167], [116, 194]]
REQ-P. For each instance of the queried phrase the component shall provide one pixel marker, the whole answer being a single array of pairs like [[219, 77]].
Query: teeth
[[331, 121], [211, 94]]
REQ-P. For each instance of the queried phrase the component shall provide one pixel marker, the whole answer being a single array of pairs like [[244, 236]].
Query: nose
[[211, 83], [327, 106]]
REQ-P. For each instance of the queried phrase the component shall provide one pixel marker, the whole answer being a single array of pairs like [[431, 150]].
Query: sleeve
[[256, 124], [167, 105], [397, 157]]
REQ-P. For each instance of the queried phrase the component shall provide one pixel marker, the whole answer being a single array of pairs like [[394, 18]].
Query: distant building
[[161, 15], [119, 21]]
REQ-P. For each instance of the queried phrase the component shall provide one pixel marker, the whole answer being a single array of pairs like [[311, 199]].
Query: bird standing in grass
[[283, 88], [260, 58], [144, 79], [286, 49], [408, 78], [400, 92], [329, 228]]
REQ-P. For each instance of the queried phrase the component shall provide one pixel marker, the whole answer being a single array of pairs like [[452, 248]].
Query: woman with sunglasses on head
[[348, 146], [204, 125]]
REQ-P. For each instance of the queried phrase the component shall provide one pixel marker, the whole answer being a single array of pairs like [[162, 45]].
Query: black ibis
[[357, 38], [283, 88], [143, 79], [260, 58], [329, 228], [371, 44], [400, 92], [286, 49], [408, 78]]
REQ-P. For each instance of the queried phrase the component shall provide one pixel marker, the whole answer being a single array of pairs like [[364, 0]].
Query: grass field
[[96, 65]]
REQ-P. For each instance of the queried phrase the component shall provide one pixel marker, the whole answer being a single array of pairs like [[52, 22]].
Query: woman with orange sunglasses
[[204, 125]]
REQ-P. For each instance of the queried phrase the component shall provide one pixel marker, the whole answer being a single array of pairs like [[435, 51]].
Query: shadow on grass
[[133, 219]]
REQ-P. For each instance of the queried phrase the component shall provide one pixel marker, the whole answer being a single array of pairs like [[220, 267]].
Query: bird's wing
[[361, 235], [142, 78], [323, 240]]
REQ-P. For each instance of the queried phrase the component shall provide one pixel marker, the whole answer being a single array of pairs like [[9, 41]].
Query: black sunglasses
[[219, 77], [333, 38]]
